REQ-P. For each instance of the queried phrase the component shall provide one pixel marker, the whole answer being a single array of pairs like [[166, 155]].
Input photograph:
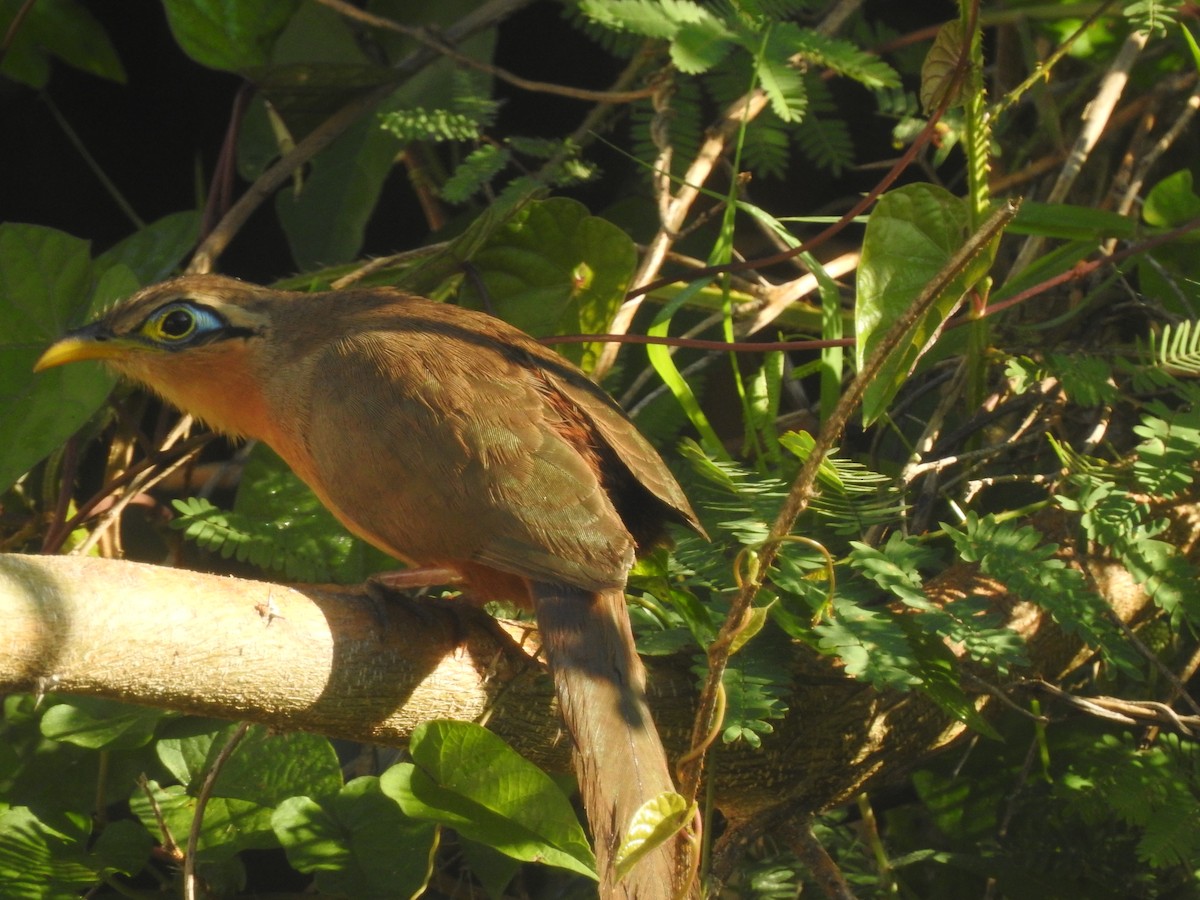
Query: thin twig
[[90, 161], [203, 260], [145, 480], [206, 789], [830, 881], [1095, 116], [427, 39], [736, 115], [1124, 712]]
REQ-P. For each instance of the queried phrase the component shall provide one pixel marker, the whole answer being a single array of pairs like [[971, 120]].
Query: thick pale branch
[[309, 659], [333, 662]]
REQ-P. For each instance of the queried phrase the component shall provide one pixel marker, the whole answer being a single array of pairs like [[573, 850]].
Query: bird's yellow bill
[[74, 349]]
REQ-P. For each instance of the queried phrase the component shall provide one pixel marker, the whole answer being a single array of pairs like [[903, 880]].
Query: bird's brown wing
[[466, 464], [637, 454]]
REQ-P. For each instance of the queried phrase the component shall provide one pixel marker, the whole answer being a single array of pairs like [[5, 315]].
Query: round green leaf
[[95, 723], [358, 842], [555, 269], [466, 778], [655, 822], [45, 286]]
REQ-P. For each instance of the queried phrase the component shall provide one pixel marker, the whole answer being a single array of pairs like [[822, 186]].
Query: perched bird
[[458, 444]]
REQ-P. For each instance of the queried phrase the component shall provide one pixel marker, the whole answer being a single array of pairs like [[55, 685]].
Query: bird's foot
[[411, 586]]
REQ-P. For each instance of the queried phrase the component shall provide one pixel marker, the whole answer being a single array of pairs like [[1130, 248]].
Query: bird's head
[[172, 319], [197, 340]]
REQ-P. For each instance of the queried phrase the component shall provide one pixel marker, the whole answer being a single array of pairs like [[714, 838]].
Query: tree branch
[[330, 661]]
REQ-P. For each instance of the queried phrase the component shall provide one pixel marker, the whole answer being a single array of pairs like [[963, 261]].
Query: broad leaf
[[1172, 201], [357, 842], [156, 251], [555, 269], [228, 34], [464, 777], [62, 29], [264, 768], [656, 821], [912, 234], [46, 285], [229, 826], [97, 723], [40, 861], [326, 220]]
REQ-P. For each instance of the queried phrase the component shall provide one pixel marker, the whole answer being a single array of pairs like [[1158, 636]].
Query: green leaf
[[757, 683], [228, 34], [490, 867], [871, 645], [123, 846], [41, 862], [464, 777], [357, 842], [698, 46], [1172, 201], [1019, 558], [937, 72], [911, 235], [782, 83], [476, 170], [555, 269], [325, 222], [1068, 222], [264, 768], [46, 285], [154, 253], [229, 826], [56, 28], [841, 56], [1193, 47], [643, 17], [97, 723], [655, 822]]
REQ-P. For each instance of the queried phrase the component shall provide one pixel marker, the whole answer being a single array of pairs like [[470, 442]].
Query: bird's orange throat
[[218, 387]]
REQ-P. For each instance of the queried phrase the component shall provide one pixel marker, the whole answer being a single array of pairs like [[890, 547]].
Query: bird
[[462, 447]]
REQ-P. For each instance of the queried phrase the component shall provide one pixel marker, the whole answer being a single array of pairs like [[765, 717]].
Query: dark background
[[158, 136]]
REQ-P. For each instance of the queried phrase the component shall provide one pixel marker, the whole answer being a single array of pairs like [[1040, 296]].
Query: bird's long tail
[[619, 758]]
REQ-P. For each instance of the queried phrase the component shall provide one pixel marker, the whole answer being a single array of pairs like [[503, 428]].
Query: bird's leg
[[409, 584], [402, 580]]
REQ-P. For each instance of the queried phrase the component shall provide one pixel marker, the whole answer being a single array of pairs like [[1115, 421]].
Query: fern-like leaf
[[969, 622], [1154, 790], [1115, 519], [826, 143], [469, 112], [235, 536], [1154, 17], [840, 56], [781, 82], [1177, 350], [852, 498], [1021, 559], [646, 18], [756, 681], [823, 137], [1164, 464], [474, 172]]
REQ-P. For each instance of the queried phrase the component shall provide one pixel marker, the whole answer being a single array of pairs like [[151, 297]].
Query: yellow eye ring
[[172, 323]]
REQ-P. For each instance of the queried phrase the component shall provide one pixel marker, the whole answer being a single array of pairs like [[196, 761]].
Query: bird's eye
[[177, 323], [174, 323]]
